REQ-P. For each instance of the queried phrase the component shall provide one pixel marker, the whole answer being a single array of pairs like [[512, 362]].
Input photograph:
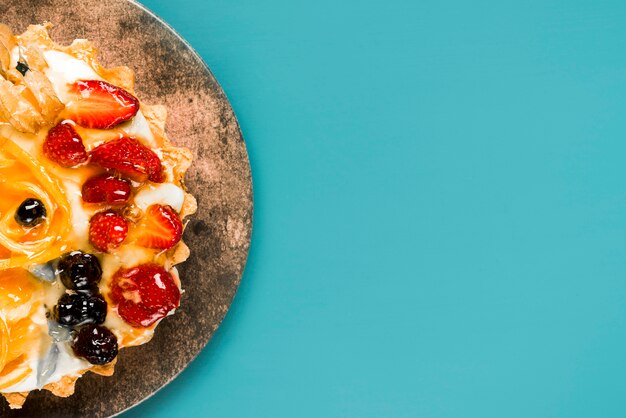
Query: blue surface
[[440, 209]]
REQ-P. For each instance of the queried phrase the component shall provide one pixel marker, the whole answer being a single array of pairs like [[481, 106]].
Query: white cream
[[163, 194], [80, 217], [66, 365], [138, 127], [29, 383], [63, 70]]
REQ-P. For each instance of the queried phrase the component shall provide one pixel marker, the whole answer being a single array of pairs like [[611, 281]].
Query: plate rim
[[195, 53]]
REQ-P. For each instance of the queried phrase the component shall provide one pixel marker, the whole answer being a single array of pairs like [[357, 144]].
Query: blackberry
[[79, 309], [80, 271], [96, 344]]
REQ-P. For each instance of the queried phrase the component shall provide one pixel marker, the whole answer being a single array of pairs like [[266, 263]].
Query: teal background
[[440, 209]]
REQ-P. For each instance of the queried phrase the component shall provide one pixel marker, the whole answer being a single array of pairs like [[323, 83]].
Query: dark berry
[[22, 67], [79, 309], [80, 271], [96, 344], [30, 213]]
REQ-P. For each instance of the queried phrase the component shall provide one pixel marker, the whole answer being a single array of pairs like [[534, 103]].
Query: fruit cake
[[92, 215]]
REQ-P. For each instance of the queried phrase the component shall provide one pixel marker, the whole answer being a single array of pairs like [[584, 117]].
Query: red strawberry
[[144, 294], [101, 105], [160, 228], [105, 188], [107, 230], [129, 157], [64, 146]]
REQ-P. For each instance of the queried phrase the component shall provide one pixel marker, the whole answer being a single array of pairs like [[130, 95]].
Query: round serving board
[[169, 72]]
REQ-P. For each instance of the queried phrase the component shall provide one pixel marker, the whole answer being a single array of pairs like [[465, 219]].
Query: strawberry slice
[[107, 230], [144, 294], [130, 158], [64, 146], [160, 228], [101, 105], [105, 188]]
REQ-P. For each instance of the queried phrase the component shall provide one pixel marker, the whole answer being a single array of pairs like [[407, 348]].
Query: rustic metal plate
[[168, 72]]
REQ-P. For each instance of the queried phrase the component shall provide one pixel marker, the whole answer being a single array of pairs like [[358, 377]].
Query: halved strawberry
[[64, 146], [129, 157], [144, 294], [101, 105], [160, 228], [107, 230], [105, 188]]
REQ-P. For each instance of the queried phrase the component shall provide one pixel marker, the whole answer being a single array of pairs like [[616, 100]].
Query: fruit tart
[[92, 214]]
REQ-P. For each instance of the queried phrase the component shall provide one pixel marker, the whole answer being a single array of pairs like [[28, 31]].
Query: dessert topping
[[30, 213], [160, 228], [64, 146], [130, 158], [107, 230], [144, 294], [100, 105], [80, 271], [105, 188], [80, 308], [96, 344]]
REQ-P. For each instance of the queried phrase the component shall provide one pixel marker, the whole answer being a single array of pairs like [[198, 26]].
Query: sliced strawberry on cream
[[160, 228], [101, 105], [105, 188], [130, 158], [64, 70]]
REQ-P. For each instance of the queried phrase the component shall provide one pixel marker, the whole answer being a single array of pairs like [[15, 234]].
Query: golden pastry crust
[[16, 399], [64, 387], [36, 114]]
